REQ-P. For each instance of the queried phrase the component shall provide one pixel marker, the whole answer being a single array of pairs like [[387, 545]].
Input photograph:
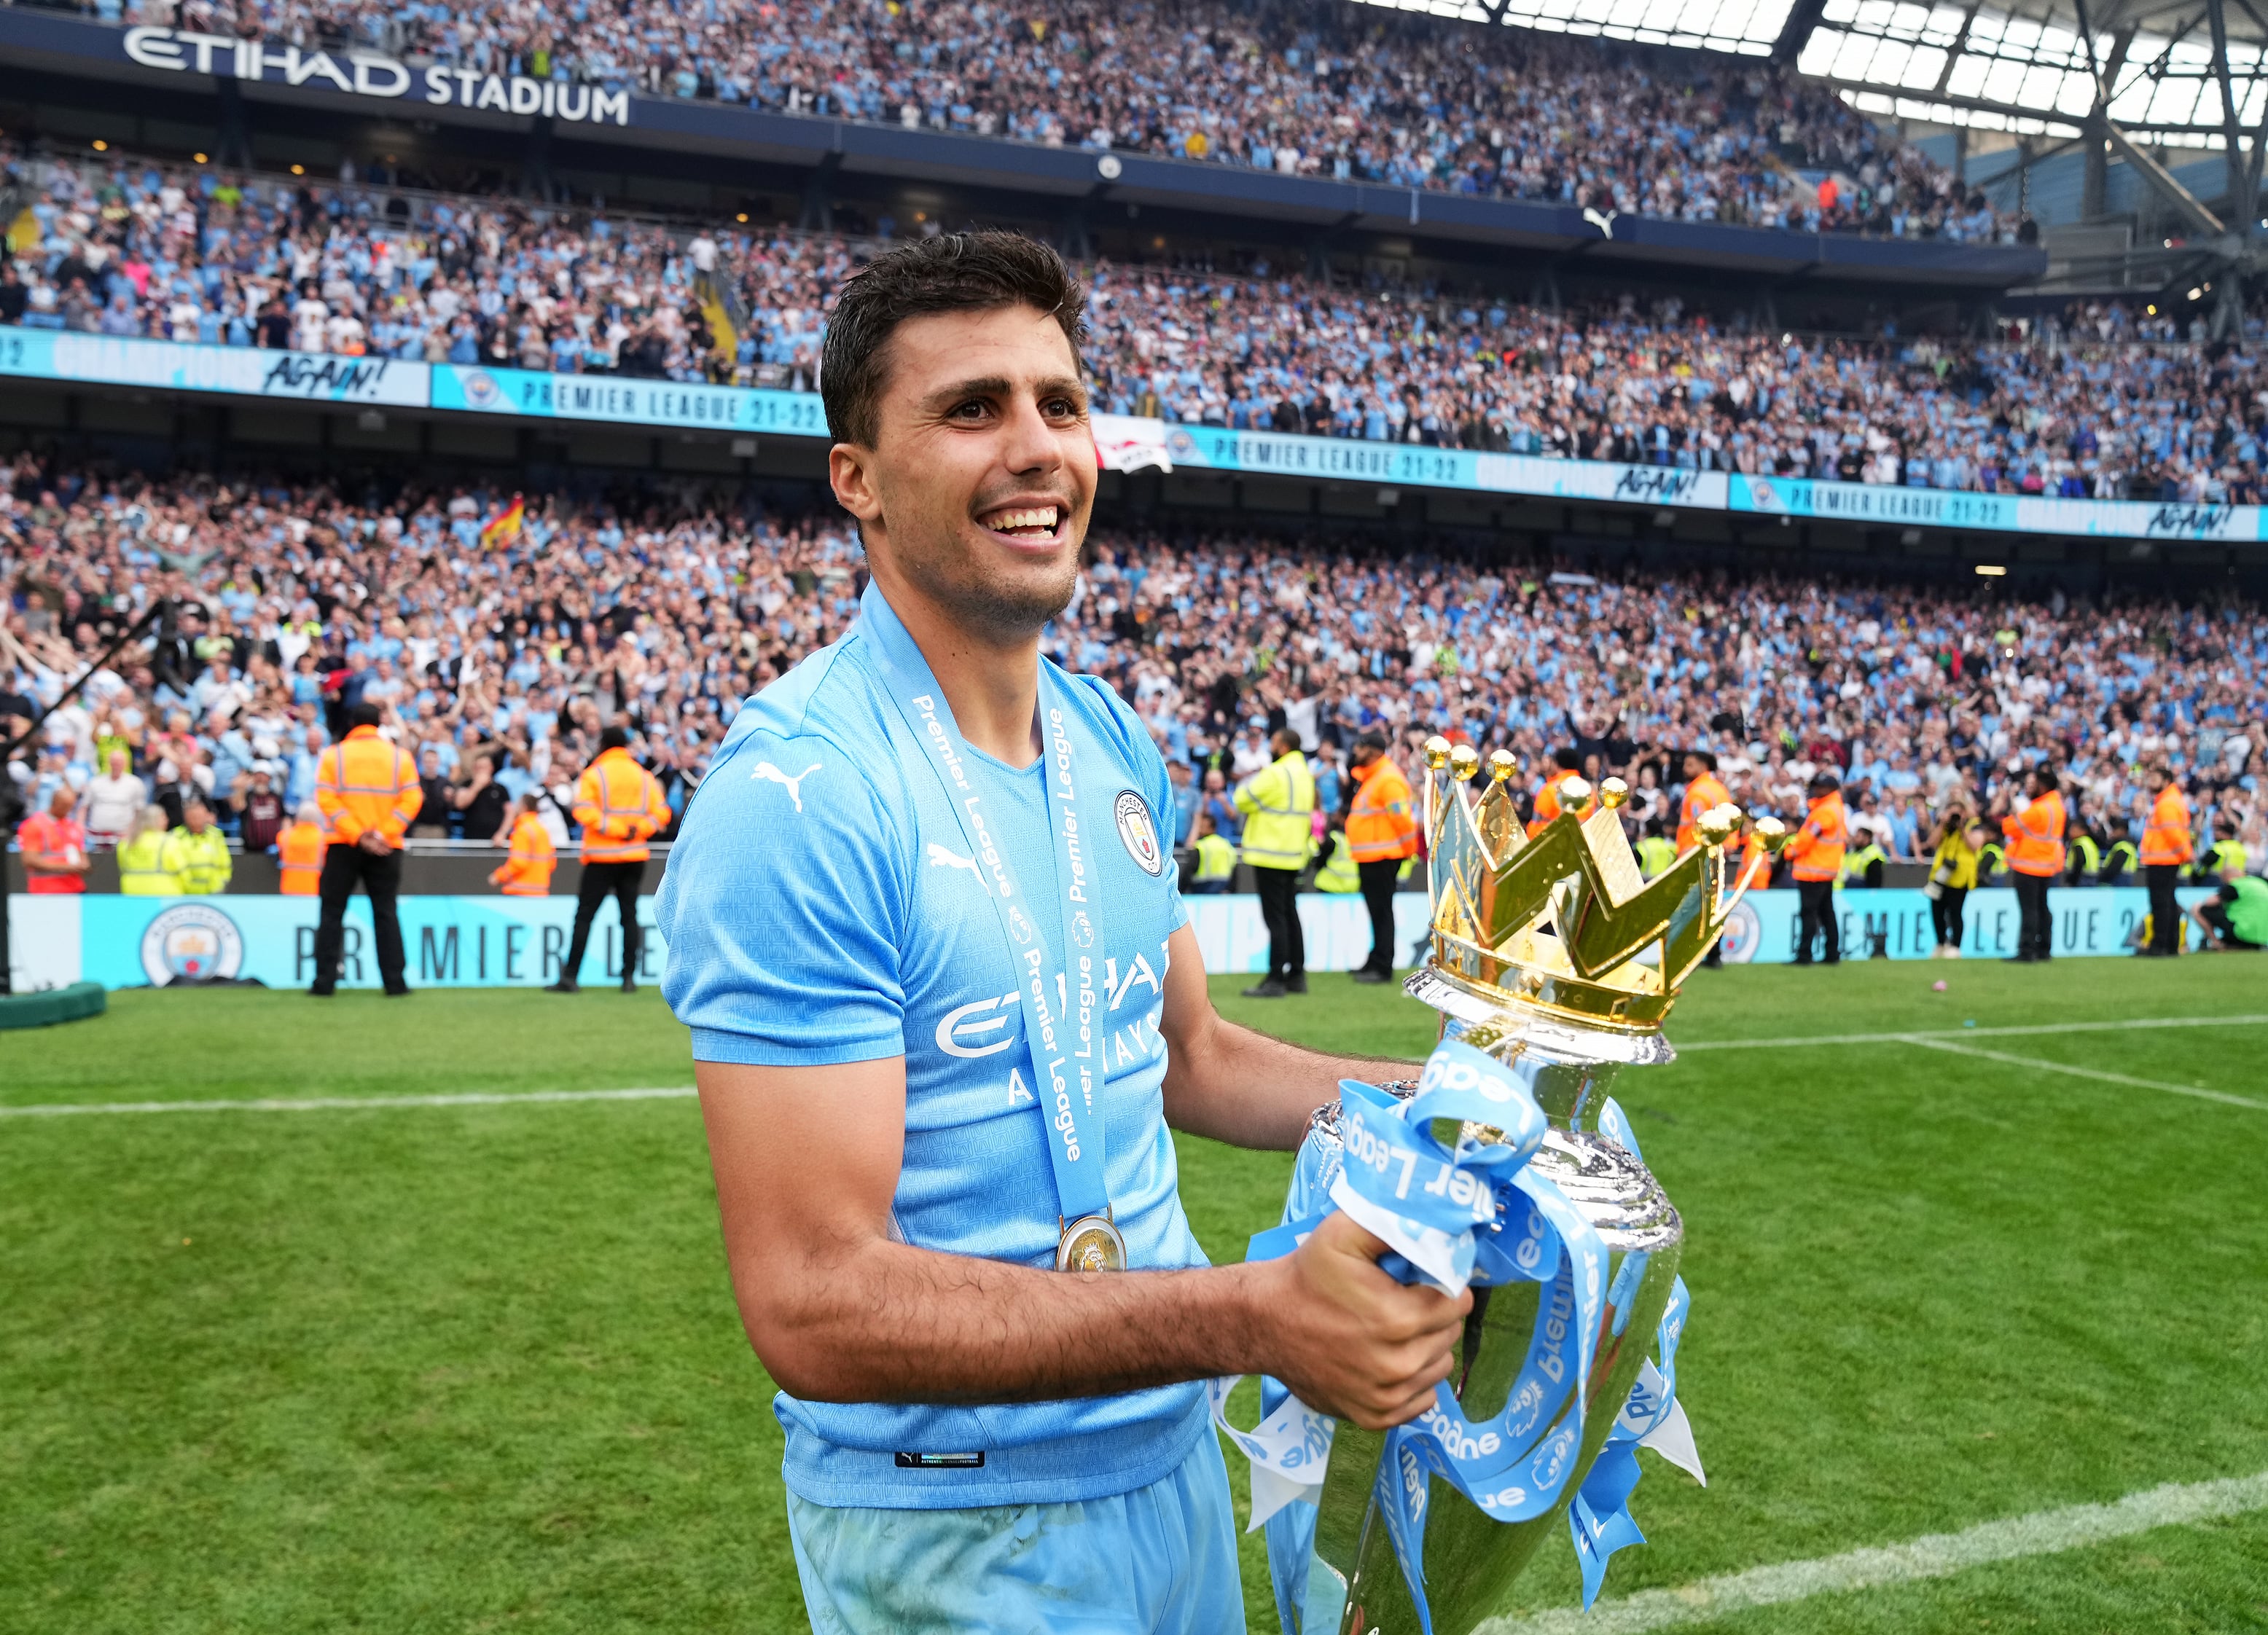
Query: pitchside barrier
[[522, 941]]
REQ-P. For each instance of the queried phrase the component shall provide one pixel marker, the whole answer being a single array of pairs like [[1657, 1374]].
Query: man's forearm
[[1243, 1088], [963, 1330]]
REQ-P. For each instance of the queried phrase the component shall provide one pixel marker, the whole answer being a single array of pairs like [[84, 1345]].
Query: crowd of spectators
[[1288, 85], [2103, 403], [499, 667]]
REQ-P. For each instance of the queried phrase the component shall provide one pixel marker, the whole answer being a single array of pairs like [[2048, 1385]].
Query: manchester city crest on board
[[191, 943], [1139, 830]]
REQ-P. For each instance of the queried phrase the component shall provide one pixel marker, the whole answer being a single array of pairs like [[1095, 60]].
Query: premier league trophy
[[1507, 1168]]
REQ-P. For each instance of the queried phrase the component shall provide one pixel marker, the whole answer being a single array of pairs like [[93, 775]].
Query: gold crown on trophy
[[1561, 930]]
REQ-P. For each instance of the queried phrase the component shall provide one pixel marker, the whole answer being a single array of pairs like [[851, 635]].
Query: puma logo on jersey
[[767, 772], [939, 857]]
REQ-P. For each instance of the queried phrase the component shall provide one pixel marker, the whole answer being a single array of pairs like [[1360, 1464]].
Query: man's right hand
[[371, 841], [1351, 1341]]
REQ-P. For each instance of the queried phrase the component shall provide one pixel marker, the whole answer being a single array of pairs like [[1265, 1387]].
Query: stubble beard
[[1001, 609]]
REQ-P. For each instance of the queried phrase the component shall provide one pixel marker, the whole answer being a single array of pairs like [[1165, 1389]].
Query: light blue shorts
[[1161, 1560]]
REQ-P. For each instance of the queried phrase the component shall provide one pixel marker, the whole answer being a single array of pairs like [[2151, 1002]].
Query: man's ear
[[852, 476]]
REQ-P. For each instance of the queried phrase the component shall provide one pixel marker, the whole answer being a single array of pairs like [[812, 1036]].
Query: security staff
[[142, 860], [1552, 798], [2235, 917], [1817, 852], [1382, 833], [527, 869], [1216, 856], [1704, 792], [1278, 803], [2036, 856], [1336, 873], [1655, 850], [196, 854], [621, 806], [2166, 846], [366, 789], [299, 850]]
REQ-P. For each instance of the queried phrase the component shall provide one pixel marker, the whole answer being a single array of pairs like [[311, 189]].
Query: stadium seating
[[2107, 404], [673, 613], [1337, 90]]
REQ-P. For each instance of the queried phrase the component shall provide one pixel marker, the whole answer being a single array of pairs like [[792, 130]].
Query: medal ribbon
[[1057, 992]]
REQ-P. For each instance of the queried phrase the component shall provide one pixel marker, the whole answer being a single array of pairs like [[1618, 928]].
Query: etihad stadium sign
[[360, 73]]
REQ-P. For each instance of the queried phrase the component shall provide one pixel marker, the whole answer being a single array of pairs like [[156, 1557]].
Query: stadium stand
[[1299, 89], [2099, 402], [499, 665]]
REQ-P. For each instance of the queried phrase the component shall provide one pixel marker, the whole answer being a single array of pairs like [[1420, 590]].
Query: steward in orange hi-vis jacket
[[366, 788], [2166, 844], [621, 806], [2036, 859], [1817, 851], [528, 863], [1381, 831]]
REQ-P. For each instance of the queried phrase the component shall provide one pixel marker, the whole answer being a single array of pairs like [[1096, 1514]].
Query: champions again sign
[[370, 74]]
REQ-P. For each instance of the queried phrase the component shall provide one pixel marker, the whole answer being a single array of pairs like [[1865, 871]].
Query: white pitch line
[[336, 1104], [1938, 1555], [2127, 1026], [2098, 1073]]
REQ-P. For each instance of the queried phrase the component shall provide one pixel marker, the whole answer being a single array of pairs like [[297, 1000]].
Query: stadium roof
[[2149, 66]]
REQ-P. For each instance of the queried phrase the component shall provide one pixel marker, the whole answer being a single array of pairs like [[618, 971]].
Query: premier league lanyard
[[1057, 992]]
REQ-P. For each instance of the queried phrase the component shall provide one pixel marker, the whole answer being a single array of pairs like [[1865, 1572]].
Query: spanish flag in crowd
[[504, 527]]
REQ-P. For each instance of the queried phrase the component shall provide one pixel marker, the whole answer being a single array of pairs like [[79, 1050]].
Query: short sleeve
[[783, 907]]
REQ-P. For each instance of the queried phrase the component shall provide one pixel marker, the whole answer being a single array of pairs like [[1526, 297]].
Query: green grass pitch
[[477, 1369]]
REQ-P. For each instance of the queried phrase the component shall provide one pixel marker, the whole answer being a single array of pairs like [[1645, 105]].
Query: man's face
[[1364, 755], [196, 817], [981, 481], [60, 804]]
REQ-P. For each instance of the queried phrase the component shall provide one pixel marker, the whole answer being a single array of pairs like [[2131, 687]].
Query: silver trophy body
[[1351, 1584]]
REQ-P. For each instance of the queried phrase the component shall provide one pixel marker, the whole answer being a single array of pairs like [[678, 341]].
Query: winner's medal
[[1091, 1243], [1067, 1074]]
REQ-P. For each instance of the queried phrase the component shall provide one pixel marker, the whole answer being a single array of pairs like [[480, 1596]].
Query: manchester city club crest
[[1743, 932], [1139, 830], [191, 943]]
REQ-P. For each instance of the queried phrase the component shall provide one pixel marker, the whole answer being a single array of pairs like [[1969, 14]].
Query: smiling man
[[946, 1003]]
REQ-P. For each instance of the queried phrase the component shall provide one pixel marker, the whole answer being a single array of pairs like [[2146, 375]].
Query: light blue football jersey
[[820, 906]]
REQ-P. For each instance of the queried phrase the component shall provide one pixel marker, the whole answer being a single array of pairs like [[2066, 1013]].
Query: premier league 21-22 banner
[[2088, 920]]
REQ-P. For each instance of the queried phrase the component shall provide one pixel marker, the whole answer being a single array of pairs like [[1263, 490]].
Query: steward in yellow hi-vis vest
[[196, 854], [1278, 803], [621, 806], [366, 787], [142, 870]]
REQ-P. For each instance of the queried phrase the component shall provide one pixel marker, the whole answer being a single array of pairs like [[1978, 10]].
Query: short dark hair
[[364, 715], [1567, 760], [973, 272], [1824, 783], [1707, 758], [613, 739], [1370, 741]]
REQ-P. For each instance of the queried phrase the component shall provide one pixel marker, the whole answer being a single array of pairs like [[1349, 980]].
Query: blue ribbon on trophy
[[1469, 1211]]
